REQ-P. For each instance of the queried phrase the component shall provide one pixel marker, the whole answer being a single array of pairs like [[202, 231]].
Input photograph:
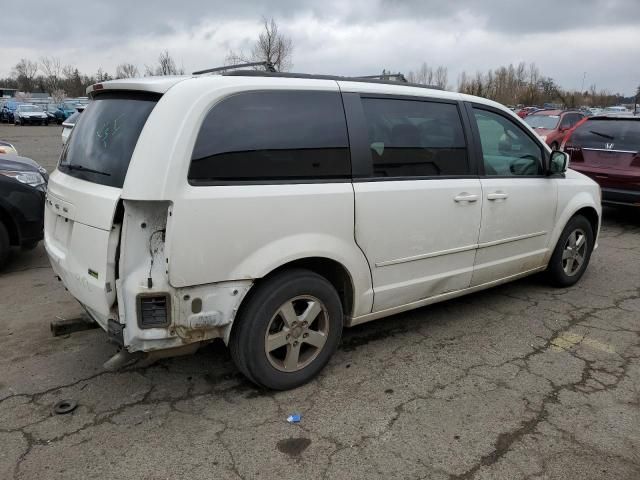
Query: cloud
[[565, 38]]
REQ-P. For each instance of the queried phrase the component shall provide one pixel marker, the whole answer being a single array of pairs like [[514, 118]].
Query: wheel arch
[[583, 205], [333, 271]]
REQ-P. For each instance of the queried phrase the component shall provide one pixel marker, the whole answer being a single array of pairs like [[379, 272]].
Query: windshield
[[28, 108], [69, 106], [609, 134], [102, 142], [548, 122]]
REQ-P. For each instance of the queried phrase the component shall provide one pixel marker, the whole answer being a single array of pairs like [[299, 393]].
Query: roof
[[256, 79]]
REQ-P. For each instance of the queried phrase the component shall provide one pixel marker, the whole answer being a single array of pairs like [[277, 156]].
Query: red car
[[553, 125], [606, 149], [523, 112]]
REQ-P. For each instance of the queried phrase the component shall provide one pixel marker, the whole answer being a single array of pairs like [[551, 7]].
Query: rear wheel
[[572, 253], [5, 245], [288, 330]]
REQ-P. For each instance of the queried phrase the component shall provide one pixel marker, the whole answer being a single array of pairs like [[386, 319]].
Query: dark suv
[[606, 149], [23, 185]]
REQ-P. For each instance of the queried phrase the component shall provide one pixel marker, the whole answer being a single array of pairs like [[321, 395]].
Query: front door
[[519, 200], [418, 209]]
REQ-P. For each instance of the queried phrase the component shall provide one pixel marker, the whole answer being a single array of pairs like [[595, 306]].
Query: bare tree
[[441, 77], [25, 72], [166, 66], [126, 70], [272, 47], [58, 95], [52, 69]]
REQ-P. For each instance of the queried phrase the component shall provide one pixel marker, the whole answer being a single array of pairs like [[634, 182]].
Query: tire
[[5, 245], [276, 309], [16, 122], [562, 270]]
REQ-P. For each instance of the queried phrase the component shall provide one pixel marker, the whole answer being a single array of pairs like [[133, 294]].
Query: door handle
[[497, 196], [466, 197]]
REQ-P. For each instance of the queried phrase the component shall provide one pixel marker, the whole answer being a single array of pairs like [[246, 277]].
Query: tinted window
[[411, 138], [275, 135], [611, 134], [100, 147], [506, 149]]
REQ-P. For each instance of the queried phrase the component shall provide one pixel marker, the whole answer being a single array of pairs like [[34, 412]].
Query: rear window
[[608, 134], [272, 136], [102, 142], [548, 122]]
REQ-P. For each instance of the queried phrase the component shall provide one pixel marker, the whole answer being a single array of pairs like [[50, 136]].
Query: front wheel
[[288, 330], [5, 245], [572, 253]]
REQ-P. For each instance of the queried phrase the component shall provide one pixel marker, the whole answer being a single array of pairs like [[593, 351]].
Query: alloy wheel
[[574, 252], [296, 333]]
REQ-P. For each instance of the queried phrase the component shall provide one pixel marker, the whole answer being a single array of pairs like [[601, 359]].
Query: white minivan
[[273, 210]]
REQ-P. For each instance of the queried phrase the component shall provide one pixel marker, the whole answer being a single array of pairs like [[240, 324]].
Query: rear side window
[[608, 134], [270, 136], [412, 138], [105, 135]]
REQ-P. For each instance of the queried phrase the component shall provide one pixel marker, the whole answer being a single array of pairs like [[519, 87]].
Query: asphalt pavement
[[522, 381]]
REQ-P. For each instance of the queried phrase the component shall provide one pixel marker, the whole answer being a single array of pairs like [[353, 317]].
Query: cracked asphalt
[[518, 382]]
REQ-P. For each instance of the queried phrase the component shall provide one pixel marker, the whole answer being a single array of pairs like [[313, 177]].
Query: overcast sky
[[565, 38]]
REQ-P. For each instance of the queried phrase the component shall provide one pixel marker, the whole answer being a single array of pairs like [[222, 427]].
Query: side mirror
[[558, 162]]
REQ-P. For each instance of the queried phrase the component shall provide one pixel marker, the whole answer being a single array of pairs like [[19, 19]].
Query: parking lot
[[520, 381]]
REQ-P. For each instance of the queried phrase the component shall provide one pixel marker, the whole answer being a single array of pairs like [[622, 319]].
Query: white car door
[[519, 199], [418, 206]]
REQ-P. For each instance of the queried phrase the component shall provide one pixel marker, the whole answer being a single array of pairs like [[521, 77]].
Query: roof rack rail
[[259, 73], [268, 67], [390, 77]]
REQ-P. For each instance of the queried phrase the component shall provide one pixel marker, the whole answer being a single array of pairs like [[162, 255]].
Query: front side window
[[506, 149], [412, 138], [272, 135]]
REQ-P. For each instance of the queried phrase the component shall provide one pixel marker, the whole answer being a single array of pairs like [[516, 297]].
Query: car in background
[[50, 110], [28, 114], [7, 148], [606, 148], [23, 185], [64, 111], [616, 110], [524, 112], [70, 122], [553, 125], [7, 111]]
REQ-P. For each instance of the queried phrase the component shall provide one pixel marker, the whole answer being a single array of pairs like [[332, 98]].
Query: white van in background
[[272, 210]]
